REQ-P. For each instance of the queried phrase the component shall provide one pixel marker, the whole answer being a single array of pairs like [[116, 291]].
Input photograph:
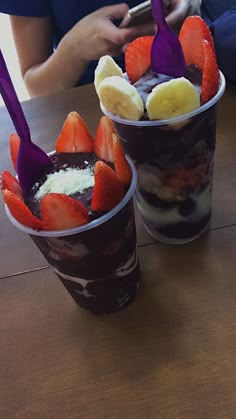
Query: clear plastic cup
[[174, 159], [96, 262]]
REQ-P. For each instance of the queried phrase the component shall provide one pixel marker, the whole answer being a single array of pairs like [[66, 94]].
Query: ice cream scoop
[[166, 53], [31, 159]]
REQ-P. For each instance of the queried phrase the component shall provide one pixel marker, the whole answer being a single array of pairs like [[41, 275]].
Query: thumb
[[118, 11]]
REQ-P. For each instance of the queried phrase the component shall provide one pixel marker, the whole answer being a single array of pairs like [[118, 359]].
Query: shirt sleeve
[[34, 8], [223, 30]]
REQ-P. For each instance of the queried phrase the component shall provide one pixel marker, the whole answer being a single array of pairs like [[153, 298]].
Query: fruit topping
[[59, 212], [8, 181], [103, 142], [210, 73], [198, 47], [75, 136], [171, 99], [122, 167], [108, 190], [14, 149], [20, 211], [192, 33], [138, 57], [106, 67], [119, 97]]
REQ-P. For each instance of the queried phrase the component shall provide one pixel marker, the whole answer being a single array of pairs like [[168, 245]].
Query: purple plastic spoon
[[31, 159], [166, 54]]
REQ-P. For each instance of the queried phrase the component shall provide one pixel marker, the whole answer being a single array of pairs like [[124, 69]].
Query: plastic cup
[[97, 262], [174, 159]]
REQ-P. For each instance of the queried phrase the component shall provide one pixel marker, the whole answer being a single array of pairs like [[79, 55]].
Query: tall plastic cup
[[174, 159], [96, 262]]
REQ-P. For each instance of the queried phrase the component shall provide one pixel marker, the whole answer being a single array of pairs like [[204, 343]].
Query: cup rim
[[92, 224], [169, 121]]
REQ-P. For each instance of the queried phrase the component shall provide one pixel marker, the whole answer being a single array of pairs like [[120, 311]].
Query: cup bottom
[[156, 235], [104, 296]]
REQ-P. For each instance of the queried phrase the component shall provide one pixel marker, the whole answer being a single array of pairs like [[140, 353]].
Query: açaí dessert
[[168, 127], [80, 214]]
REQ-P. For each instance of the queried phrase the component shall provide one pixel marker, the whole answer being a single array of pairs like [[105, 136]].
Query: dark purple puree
[[169, 148], [103, 259], [63, 161]]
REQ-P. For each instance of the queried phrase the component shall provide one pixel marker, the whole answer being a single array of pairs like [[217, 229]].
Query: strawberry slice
[[75, 136], [192, 32], [14, 149], [59, 212], [210, 73], [8, 181], [20, 211], [122, 167], [184, 178], [138, 57], [108, 190], [103, 142]]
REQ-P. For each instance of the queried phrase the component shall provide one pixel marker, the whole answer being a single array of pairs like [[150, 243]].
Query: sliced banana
[[106, 67], [172, 98], [119, 97]]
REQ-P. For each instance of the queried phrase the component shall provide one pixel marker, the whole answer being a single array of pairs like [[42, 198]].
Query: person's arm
[[45, 71], [42, 70]]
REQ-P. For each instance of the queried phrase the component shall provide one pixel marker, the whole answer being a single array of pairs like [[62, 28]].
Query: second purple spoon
[[31, 158], [166, 54]]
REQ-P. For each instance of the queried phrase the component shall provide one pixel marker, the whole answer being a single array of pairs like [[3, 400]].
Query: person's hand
[[178, 10], [96, 34]]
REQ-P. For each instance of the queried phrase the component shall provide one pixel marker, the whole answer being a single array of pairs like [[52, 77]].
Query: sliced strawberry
[[103, 143], [210, 73], [138, 57], [192, 32], [108, 190], [14, 149], [184, 178], [122, 167], [59, 212], [20, 211], [75, 136], [8, 181]]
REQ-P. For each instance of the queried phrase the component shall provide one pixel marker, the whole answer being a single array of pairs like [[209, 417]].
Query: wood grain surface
[[170, 355]]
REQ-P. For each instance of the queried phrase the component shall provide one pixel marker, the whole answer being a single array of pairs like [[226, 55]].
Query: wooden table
[[171, 354]]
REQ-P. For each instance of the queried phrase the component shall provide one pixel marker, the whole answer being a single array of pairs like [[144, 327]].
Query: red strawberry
[[108, 190], [122, 167], [186, 178], [210, 73], [8, 181], [20, 211], [138, 57], [14, 149], [59, 212], [192, 32], [75, 136], [103, 142]]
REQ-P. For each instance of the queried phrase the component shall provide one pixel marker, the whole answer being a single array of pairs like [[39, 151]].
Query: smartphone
[[139, 14]]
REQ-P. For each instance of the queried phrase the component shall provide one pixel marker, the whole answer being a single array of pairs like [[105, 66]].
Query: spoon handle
[[158, 12], [12, 102]]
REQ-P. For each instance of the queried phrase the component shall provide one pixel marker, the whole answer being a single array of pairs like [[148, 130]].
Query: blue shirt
[[64, 15], [220, 15]]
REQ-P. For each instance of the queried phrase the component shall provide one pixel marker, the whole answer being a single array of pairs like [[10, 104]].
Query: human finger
[[117, 11], [179, 10]]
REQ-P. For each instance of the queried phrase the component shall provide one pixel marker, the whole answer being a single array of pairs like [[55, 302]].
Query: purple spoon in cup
[[166, 54], [31, 158]]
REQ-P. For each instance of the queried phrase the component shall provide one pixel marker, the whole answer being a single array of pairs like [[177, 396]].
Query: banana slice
[[106, 67], [119, 97], [172, 98]]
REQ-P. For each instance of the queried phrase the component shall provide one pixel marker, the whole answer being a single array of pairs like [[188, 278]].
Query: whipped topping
[[68, 182]]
